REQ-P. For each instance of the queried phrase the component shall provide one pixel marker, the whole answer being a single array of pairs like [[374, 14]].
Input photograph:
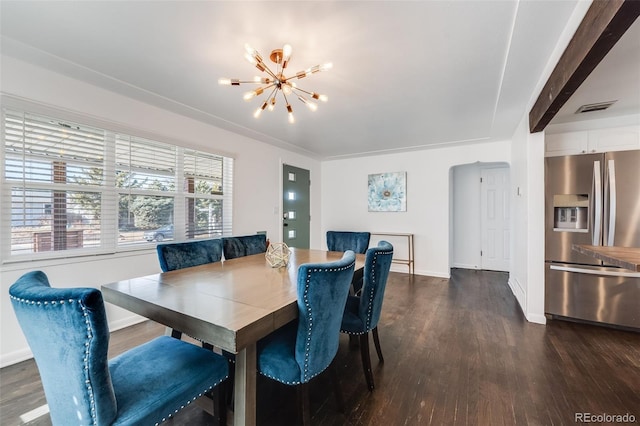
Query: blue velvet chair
[[67, 331], [304, 348], [243, 246], [362, 312], [343, 241], [174, 256]]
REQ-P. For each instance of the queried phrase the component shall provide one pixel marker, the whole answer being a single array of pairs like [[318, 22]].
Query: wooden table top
[[229, 304], [624, 257]]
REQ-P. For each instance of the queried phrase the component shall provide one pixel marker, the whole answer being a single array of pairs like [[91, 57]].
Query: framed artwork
[[388, 192]]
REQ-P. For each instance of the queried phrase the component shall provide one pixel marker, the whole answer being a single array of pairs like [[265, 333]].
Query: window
[[76, 189]]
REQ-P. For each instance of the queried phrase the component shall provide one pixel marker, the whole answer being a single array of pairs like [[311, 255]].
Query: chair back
[[67, 332], [174, 256], [244, 246], [322, 293], [376, 271], [344, 240]]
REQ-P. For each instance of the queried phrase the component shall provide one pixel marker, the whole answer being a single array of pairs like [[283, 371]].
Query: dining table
[[229, 304]]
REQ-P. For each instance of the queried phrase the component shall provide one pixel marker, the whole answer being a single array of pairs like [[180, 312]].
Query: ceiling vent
[[595, 107]]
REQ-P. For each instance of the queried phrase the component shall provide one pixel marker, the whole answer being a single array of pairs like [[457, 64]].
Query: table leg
[[245, 387]]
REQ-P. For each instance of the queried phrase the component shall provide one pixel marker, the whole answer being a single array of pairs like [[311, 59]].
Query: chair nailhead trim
[[170, 415], [87, 343], [86, 358], [305, 375], [370, 288]]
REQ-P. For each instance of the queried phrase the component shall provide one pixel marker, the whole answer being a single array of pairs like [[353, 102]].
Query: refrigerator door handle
[[596, 194], [595, 271], [611, 188]]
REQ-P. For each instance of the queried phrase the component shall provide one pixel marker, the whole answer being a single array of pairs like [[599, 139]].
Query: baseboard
[[126, 322], [465, 266], [537, 318], [405, 269], [519, 293], [15, 357]]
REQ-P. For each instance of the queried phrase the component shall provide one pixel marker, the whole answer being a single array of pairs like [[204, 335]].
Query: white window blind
[[208, 190], [54, 174], [146, 189], [76, 189]]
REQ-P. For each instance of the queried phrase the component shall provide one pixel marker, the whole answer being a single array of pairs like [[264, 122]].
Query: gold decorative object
[[276, 82], [277, 255]]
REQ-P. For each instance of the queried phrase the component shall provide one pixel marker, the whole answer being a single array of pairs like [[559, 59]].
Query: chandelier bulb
[[327, 66], [286, 51], [320, 97], [272, 103], [259, 110], [252, 53], [252, 94], [286, 88], [311, 105], [286, 55], [290, 113], [224, 81], [250, 59]]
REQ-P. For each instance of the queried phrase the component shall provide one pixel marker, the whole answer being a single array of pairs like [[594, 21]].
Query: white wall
[[344, 197], [527, 181], [527, 263], [257, 179]]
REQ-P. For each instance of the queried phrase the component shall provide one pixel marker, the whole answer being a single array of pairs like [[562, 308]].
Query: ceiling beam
[[603, 25]]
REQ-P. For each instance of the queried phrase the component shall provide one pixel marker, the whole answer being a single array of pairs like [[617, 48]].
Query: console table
[[409, 238]]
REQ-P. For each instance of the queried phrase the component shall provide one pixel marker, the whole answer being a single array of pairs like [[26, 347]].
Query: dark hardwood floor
[[457, 352]]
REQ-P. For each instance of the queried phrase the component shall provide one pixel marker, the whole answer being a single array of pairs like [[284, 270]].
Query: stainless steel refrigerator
[[592, 199]]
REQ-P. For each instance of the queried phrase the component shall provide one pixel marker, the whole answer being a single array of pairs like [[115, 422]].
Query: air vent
[[595, 107]]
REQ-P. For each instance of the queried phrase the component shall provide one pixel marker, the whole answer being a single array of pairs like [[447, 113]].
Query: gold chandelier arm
[[238, 82], [266, 69], [314, 69], [285, 97], [314, 95], [301, 90], [253, 93], [271, 95]]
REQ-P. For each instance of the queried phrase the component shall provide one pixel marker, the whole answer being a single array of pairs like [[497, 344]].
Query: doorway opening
[[479, 236]]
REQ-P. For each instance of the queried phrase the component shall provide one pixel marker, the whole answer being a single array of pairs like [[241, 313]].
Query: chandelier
[[276, 82]]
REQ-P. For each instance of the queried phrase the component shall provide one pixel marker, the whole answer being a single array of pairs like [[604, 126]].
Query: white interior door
[[494, 208]]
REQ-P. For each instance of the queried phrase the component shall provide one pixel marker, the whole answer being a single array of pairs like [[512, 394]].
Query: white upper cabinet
[[590, 141]]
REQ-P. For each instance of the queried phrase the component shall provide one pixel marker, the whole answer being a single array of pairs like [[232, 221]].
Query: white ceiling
[[406, 75]]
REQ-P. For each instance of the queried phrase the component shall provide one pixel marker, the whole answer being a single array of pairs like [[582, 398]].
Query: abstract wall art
[[388, 192]]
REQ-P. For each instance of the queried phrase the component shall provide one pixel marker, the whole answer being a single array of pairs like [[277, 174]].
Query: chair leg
[[232, 380], [366, 359], [176, 334], [303, 403], [220, 402], [376, 341], [353, 341], [337, 390]]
